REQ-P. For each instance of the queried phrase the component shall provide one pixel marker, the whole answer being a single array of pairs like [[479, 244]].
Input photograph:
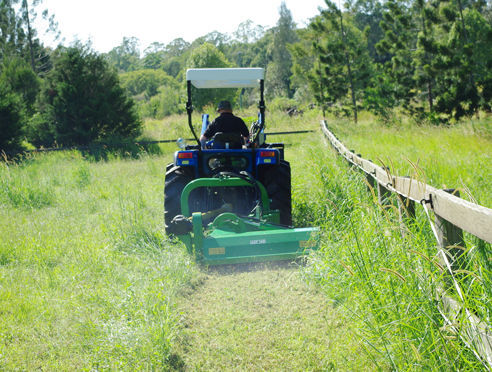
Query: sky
[[106, 22]]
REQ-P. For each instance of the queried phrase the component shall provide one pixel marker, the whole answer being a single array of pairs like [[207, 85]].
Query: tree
[[18, 36], [126, 56], [261, 50], [154, 55], [399, 41], [247, 32], [464, 66], [440, 59], [167, 102], [177, 47], [344, 60], [279, 69], [207, 56], [305, 64], [146, 81], [425, 73], [367, 16], [21, 80], [84, 100], [241, 50], [12, 36], [19, 87], [11, 116]]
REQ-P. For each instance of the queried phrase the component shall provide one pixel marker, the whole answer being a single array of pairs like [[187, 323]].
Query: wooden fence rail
[[452, 216], [471, 217]]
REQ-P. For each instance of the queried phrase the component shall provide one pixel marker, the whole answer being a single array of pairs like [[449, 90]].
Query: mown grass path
[[261, 317]]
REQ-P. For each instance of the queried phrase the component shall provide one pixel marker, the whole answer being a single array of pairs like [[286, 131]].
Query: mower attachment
[[233, 239]]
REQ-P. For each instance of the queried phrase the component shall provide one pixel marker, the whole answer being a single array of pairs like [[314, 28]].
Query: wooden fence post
[[450, 238], [370, 180], [406, 208], [384, 194], [406, 212]]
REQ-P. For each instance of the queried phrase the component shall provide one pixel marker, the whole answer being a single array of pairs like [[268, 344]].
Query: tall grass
[[387, 282], [87, 279], [458, 156]]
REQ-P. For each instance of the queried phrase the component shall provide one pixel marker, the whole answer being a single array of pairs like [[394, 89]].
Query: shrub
[[146, 81], [84, 101], [282, 104], [166, 103], [22, 80], [10, 119]]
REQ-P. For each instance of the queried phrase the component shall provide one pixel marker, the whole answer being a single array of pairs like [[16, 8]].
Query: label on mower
[[214, 251], [257, 241], [307, 243]]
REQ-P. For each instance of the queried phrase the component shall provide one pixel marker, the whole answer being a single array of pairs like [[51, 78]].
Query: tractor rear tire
[[276, 180], [176, 180]]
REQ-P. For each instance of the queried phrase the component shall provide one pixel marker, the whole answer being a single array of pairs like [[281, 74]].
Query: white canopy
[[225, 77]]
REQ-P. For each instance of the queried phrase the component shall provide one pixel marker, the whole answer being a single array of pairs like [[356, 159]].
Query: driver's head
[[224, 106]]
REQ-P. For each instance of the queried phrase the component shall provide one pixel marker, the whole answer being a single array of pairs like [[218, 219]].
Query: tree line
[[429, 59]]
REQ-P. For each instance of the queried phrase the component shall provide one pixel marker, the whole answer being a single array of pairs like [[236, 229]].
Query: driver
[[226, 122]]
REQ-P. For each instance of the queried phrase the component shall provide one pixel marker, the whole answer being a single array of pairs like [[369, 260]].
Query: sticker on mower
[[215, 251], [257, 241], [307, 243]]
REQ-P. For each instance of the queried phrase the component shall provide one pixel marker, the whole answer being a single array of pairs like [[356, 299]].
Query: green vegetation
[[383, 280], [426, 60], [423, 56], [82, 102], [10, 119], [88, 280], [455, 157], [19, 87], [264, 317]]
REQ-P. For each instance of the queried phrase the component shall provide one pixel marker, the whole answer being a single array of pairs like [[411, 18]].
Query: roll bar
[[225, 78]]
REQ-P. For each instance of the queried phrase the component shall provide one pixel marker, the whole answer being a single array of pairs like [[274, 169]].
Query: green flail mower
[[229, 202]]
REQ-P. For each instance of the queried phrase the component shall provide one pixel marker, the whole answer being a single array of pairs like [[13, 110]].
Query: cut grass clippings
[[263, 317]]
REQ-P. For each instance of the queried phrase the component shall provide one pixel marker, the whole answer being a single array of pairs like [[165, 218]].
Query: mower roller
[[230, 202]]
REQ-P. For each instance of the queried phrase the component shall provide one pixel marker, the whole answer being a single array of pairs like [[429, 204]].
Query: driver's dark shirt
[[227, 123]]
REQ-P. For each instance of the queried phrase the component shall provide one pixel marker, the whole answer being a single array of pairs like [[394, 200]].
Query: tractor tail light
[[267, 154], [185, 155]]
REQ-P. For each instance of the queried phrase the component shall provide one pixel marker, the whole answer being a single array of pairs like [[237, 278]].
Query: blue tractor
[[230, 202]]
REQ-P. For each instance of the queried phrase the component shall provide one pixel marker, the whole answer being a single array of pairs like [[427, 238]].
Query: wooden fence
[[452, 216]]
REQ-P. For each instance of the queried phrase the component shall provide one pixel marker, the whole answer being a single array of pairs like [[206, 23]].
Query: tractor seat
[[223, 140]]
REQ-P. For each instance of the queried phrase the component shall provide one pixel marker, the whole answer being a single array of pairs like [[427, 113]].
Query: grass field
[[264, 317], [459, 156], [385, 280], [89, 281]]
